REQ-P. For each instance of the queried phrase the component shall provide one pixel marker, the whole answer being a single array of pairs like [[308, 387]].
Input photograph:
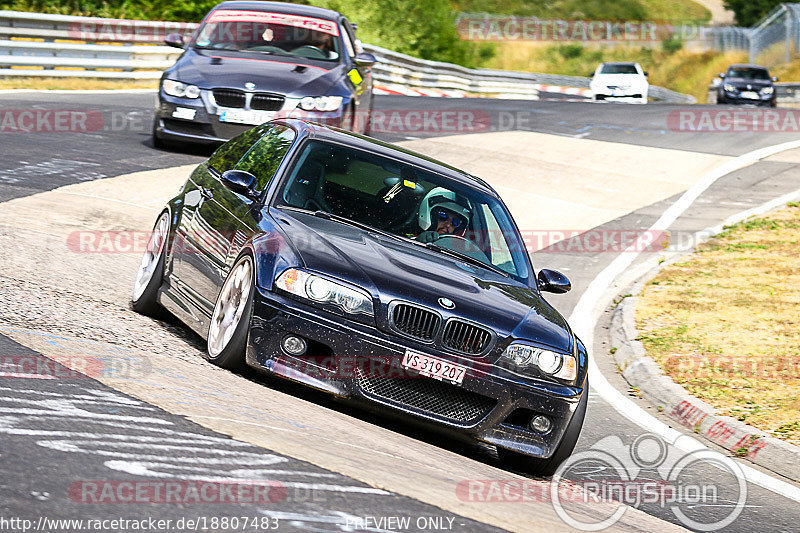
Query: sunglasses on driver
[[458, 221]]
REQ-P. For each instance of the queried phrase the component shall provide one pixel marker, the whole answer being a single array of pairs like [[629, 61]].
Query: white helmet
[[439, 197]]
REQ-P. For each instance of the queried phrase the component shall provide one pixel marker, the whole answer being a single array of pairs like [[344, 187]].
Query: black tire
[[349, 119], [368, 125], [232, 356], [548, 467], [146, 303], [158, 142]]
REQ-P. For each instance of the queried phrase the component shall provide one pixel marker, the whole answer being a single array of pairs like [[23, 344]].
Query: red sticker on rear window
[[230, 15]]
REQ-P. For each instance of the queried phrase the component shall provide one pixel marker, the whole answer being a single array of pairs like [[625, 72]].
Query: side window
[[263, 158], [227, 155], [349, 39]]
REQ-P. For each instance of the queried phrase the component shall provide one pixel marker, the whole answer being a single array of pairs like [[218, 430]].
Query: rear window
[[619, 69]]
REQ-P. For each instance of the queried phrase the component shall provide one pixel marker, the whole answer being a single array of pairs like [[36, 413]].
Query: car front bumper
[[736, 98], [362, 363], [199, 121]]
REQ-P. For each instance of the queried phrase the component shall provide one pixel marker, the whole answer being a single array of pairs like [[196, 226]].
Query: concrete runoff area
[[46, 281]]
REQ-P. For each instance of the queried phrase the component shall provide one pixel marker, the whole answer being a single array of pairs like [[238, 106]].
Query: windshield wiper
[[464, 257]]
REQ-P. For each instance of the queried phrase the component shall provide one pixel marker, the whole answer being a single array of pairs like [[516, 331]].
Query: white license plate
[[749, 94], [242, 116], [433, 367]]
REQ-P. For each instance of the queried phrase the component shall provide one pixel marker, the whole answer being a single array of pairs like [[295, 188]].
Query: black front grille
[[466, 338], [266, 102], [229, 98], [429, 396], [416, 322]]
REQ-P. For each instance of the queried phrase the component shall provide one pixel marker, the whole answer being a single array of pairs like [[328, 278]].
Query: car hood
[[392, 269], [619, 79], [290, 76]]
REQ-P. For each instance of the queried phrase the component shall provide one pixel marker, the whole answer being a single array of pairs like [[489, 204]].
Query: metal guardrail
[[60, 50]]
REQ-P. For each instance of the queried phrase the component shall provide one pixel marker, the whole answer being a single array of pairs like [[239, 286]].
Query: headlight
[[181, 90], [322, 290], [321, 103], [552, 363], [730, 88], [767, 90]]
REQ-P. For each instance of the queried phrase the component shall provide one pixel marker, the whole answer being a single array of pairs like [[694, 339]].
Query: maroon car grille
[[466, 338], [429, 396], [266, 102], [415, 322], [229, 98]]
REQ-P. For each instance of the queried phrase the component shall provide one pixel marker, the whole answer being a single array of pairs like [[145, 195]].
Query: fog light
[[294, 345], [540, 424]]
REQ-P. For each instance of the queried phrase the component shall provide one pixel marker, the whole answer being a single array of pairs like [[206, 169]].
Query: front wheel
[[151, 269], [548, 467], [230, 321]]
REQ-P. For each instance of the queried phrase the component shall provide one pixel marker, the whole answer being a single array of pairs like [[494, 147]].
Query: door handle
[[206, 193]]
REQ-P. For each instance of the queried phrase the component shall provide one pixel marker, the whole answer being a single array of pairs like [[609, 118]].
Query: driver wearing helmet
[[442, 213]]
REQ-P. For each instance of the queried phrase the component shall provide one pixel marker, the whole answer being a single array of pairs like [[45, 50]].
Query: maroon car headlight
[[325, 291], [558, 365]]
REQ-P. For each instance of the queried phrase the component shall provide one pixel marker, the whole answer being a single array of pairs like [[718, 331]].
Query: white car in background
[[612, 81]]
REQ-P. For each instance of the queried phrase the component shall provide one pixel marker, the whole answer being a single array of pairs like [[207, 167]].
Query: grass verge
[[680, 70], [75, 83], [725, 323]]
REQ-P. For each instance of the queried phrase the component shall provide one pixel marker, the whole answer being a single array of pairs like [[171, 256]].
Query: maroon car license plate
[[433, 367]]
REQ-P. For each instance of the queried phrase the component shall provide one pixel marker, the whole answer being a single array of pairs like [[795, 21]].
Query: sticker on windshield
[[236, 15], [410, 184]]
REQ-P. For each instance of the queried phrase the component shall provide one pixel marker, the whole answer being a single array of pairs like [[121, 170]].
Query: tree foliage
[[749, 12], [422, 28]]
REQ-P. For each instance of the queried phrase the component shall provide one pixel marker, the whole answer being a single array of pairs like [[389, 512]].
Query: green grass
[[684, 10]]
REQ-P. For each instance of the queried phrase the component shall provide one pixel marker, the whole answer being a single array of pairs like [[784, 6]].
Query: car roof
[[620, 63], [327, 133], [746, 65], [281, 7]]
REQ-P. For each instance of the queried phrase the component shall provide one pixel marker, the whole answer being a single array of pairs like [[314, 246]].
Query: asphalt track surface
[[40, 161]]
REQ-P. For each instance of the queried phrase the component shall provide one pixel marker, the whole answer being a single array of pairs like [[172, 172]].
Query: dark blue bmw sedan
[[377, 275], [250, 62]]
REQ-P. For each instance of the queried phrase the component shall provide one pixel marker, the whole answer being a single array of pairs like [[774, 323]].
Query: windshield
[[270, 33], [619, 69], [405, 201], [748, 73]]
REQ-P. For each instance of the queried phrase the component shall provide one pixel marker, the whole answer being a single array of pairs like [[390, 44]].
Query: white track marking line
[[585, 314], [25, 376]]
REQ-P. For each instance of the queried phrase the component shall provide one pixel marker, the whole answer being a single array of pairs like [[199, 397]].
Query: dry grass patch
[[725, 323], [74, 83]]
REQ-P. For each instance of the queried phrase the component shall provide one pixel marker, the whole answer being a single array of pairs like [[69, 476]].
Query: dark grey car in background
[[250, 62], [747, 84]]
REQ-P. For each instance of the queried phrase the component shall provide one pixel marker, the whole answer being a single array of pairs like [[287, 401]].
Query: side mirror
[[365, 60], [240, 182], [645, 73], [553, 281], [774, 78], [174, 40], [721, 74]]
